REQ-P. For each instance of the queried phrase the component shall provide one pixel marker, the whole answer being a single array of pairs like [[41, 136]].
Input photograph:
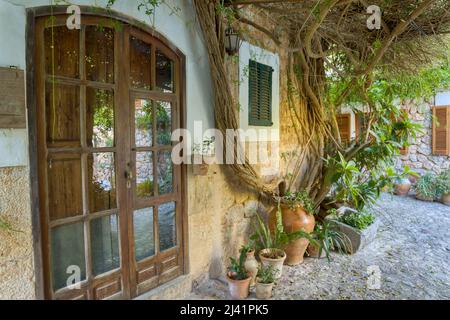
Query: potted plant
[[251, 265], [238, 277], [443, 186], [328, 239], [426, 189], [297, 215], [203, 156], [265, 282], [271, 243], [360, 227], [402, 184]]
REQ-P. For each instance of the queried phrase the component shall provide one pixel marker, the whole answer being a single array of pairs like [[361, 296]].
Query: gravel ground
[[411, 250]]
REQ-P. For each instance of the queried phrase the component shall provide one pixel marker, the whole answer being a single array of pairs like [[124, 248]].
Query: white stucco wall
[[247, 52]]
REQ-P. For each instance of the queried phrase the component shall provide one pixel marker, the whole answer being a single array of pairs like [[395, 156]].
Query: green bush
[[426, 186], [358, 220], [443, 183], [266, 274]]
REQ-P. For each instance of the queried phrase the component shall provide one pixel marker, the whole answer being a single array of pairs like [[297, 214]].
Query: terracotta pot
[[402, 187], [263, 290], [313, 252], [238, 288], [277, 264], [295, 220], [251, 265], [424, 198], [446, 199]]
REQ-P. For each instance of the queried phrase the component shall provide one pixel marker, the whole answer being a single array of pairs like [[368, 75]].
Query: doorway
[[108, 97]]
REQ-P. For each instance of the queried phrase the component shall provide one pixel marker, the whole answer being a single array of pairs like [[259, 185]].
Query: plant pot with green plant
[[360, 227], [443, 187], [297, 215], [271, 243], [426, 187], [265, 282], [402, 183], [238, 277], [328, 238]]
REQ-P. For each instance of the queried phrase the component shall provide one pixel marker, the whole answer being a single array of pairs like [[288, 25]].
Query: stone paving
[[411, 250]]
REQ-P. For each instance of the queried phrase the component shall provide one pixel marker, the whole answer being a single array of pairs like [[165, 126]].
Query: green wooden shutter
[[260, 94]]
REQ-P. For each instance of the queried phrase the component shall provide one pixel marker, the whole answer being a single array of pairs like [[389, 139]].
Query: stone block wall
[[16, 245], [419, 156]]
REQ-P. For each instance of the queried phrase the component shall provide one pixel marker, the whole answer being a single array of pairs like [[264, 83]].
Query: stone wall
[[419, 156], [16, 244]]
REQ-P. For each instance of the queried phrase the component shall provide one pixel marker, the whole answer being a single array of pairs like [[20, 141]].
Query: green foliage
[[144, 189], [330, 239], [237, 266], [358, 180], [358, 220], [264, 238], [300, 198], [4, 225], [387, 87], [426, 186], [266, 274], [443, 183]]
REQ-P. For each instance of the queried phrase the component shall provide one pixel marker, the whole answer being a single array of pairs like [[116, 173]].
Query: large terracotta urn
[[295, 219]]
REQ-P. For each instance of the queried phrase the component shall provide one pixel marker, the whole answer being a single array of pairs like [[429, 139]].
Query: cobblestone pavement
[[412, 251]]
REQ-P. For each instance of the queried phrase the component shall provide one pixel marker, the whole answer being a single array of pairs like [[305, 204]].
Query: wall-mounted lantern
[[232, 41]]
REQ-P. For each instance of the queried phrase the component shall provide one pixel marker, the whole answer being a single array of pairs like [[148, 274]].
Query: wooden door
[[110, 204]]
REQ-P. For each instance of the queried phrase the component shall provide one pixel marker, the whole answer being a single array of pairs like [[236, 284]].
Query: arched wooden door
[[107, 99]]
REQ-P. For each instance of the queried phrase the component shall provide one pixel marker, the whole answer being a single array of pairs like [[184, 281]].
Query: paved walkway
[[412, 251]]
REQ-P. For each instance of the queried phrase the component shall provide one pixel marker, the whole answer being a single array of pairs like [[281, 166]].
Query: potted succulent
[[328, 239], [238, 277], [443, 186], [265, 282], [271, 243], [426, 188], [297, 215]]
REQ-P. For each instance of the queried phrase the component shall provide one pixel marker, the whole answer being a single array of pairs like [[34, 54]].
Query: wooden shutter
[[441, 130], [260, 94], [343, 121]]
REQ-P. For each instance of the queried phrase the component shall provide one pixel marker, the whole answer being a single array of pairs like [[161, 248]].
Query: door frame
[[31, 96]]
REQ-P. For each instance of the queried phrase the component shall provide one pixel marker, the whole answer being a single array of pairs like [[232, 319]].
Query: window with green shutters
[[260, 94]]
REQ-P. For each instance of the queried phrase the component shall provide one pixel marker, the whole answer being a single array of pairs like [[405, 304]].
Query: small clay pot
[[251, 265], [238, 288], [446, 199], [277, 264], [263, 290]]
